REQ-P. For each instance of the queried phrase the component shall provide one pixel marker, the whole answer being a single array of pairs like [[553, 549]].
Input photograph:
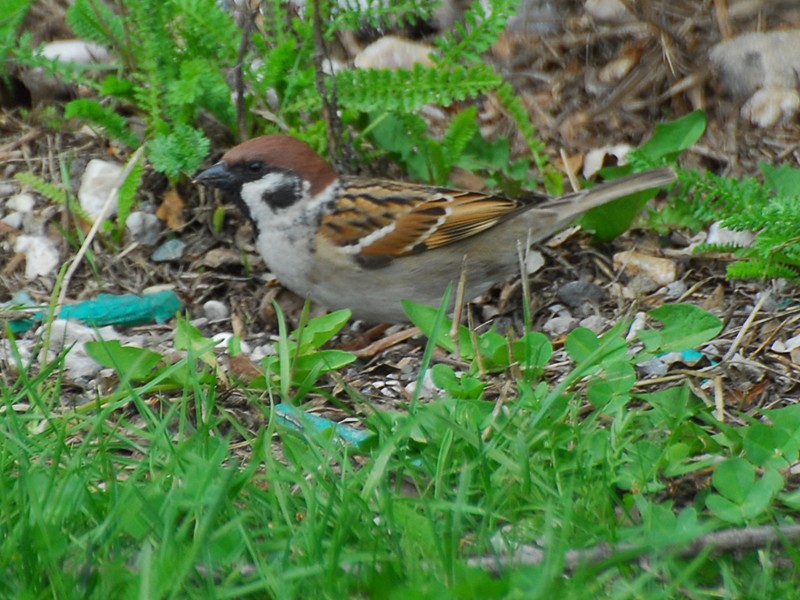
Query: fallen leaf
[[171, 210]]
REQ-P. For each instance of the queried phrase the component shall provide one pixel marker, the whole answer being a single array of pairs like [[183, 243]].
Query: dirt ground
[[561, 78]]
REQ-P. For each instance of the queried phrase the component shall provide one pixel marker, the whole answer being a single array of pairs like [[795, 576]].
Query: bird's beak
[[217, 175]]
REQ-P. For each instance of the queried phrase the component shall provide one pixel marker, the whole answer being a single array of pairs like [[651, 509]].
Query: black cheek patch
[[284, 196]]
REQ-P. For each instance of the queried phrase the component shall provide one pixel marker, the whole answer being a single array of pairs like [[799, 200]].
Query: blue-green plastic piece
[[297, 419], [108, 309]]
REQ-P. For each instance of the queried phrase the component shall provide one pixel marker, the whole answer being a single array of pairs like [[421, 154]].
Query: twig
[[745, 327], [248, 18], [330, 103], [112, 195], [749, 538]]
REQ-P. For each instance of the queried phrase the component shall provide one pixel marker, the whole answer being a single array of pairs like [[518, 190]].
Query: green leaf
[[532, 351], [671, 139], [129, 362], [463, 387], [322, 361], [614, 386], [733, 478], [321, 329], [685, 326], [614, 218], [189, 338], [584, 346], [783, 179], [493, 349], [424, 317]]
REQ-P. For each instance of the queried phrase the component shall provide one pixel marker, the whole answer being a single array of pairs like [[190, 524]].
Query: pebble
[[594, 322], [608, 10], [575, 293], [642, 284], [7, 190], [559, 325], [717, 234], [41, 255], [169, 250], [393, 52], [144, 228], [223, 338], [23, 203], [534, 260], [215, 310], [639, 323], [661, 270], [429, 389], [71, 335], [97, 181], [675, 290], [653, 368]]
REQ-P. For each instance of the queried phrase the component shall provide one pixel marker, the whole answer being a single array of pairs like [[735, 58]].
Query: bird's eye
[[255, 166]]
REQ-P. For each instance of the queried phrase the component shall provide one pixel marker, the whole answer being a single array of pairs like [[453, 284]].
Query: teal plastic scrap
[[109, 309], [125, 310], [297, 419]]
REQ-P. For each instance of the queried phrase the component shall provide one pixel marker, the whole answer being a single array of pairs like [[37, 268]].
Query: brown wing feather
[[391, 220]]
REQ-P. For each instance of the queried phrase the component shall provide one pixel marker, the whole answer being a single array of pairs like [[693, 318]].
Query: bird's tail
[[572, 205]]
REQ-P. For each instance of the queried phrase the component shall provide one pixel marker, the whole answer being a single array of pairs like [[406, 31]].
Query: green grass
[[160, 490]]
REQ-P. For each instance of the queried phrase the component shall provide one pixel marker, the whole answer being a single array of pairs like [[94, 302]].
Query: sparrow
[[365, 244]]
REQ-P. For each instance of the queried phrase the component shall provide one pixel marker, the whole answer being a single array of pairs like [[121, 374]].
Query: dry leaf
[[171, 210]]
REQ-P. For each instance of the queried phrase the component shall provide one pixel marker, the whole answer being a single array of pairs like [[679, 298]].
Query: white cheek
[[253, 194]]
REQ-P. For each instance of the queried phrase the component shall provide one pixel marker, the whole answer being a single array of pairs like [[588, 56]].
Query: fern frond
[[114, 124], [354, 14], [460, 131], [180, 151], [49, 190], [407, 90], [126, 197], [476, 34], [95, 21], [759, 269]]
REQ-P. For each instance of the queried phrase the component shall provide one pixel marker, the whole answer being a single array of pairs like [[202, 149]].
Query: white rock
[[594, 322], [98, 180], [392, 52], [41, 254], [533, 261], [144, 227], [607, 10], [639, 323], [675, 290], [559, 325], [75, 51], [71, 335], [23, 202], [429, 389], [7, 189], [717, 234], [538, 17], [14, 220], [222, 339], [661, 270], [44, 87], [259, 353], [215, 310]]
